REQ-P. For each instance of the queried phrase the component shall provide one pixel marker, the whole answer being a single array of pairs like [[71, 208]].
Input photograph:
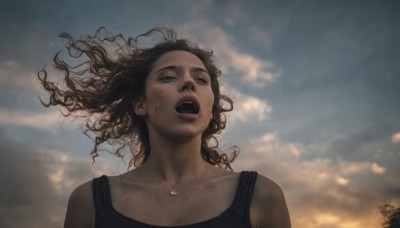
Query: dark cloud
[[338, 85], [36, 185], [361, 145]]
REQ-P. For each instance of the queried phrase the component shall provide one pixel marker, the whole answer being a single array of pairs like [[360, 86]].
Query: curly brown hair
[[108, 73]]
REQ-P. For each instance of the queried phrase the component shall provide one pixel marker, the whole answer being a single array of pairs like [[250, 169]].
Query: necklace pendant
[[173, 193]]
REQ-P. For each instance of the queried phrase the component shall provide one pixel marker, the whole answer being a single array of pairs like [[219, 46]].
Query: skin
[[175, 162]]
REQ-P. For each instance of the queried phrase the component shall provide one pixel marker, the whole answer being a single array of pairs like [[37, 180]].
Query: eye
[[167, 78], [202, 80]]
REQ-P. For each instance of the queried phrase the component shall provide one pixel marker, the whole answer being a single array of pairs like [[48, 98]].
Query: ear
[[139, 106]]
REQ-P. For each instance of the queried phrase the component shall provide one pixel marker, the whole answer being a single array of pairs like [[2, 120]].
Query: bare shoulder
[[267, 189], [268, 208], [80, 210]]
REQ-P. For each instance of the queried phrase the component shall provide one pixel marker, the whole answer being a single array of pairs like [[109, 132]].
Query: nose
[[188, 84]]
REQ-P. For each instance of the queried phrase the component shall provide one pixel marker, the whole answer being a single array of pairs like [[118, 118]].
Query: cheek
[[155, 94], [210, 102], [212, 97]]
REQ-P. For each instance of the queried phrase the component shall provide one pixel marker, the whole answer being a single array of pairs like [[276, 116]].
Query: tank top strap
[[101, 194], [244, 192]]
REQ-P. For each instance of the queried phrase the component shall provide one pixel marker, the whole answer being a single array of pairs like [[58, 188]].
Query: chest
[[153, 204]]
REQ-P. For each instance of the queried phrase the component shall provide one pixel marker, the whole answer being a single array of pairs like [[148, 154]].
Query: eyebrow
[[176, 68]]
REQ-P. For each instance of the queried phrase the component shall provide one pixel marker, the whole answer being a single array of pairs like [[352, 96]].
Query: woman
[[165, 103]]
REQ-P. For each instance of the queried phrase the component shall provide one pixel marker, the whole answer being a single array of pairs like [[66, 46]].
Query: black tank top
[[236, 216]]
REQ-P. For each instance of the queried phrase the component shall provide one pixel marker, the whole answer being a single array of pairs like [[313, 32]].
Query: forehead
[[178, 58]]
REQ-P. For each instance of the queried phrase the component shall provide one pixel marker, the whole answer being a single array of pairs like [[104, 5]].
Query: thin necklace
[[173, 193], [170, 190]]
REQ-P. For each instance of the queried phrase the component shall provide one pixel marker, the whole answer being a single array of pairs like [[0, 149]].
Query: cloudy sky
[[316, 86]]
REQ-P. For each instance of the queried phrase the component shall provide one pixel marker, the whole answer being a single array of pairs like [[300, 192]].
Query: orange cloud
[[377, 168], [319, 192], [396, 138]]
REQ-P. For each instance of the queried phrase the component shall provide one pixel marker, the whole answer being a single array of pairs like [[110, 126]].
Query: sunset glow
[[315, 86]]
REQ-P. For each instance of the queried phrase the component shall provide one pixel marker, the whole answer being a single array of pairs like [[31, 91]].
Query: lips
[[188, 104]]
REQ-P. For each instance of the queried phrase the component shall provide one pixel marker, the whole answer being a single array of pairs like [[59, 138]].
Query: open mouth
[[187, 106]]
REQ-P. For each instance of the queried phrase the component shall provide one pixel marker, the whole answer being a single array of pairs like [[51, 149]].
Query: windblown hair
[[104, 75]]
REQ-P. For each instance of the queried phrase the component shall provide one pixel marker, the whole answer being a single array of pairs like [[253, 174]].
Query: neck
[[172, 162]]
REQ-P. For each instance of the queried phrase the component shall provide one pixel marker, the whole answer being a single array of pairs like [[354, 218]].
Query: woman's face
[[178, 98]]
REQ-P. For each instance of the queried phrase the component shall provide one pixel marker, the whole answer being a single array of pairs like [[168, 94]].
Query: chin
[[185, 134]]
